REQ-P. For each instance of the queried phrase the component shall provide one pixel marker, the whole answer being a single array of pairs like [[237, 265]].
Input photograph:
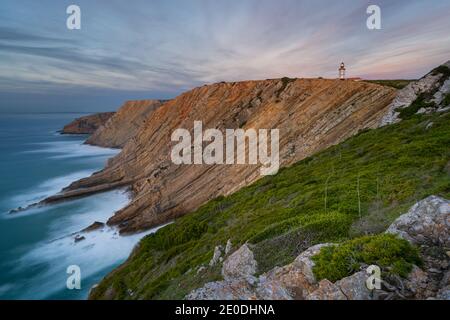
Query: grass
[[284, 214], [391, 254], [397, 84], [444, 70]]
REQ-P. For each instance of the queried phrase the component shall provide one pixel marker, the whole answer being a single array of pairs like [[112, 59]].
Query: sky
[[160, 48]]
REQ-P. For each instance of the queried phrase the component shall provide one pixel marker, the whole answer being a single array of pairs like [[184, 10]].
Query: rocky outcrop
[[425, 225], [124, 124], [240, 264], [293, 281], [435, 85], [311, 114], [87, 124]]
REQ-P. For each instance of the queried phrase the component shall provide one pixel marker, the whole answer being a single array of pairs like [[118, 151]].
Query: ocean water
[[37, 245]]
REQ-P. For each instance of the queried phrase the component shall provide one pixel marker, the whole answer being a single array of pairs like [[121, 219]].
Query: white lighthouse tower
[[342, 71]]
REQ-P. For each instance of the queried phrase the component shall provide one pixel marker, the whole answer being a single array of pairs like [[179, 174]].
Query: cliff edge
[[124, 124], [87, 124], [311, 114]]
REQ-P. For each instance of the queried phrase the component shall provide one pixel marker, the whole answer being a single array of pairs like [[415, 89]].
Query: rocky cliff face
[[430, 93], [87, 124], [124, 124], [311, 115]]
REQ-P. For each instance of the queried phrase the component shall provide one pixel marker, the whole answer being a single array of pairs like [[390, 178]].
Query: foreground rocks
[[87, 124], [425, 225]]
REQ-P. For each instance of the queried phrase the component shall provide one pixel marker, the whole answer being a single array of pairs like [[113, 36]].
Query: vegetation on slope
[[391, 254], [397, 84], [348, 191]]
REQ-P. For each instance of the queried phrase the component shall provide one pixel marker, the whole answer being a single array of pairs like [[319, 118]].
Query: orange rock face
[[87, 124], [124, 124], [311, 114]]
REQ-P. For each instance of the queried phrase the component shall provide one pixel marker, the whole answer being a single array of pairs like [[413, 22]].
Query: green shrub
[[419, 103], [446, 101], [393, 255], [442, 70], [397, 84]]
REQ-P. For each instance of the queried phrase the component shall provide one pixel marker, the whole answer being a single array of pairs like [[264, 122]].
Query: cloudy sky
[[157, 49]]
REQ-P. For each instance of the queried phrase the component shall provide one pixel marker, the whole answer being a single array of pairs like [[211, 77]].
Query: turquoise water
[[37, 245]]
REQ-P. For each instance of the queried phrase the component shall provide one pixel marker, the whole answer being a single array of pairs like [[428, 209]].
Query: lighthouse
[[342, 71]]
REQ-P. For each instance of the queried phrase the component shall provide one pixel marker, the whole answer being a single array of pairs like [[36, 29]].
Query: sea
[[39, 258]]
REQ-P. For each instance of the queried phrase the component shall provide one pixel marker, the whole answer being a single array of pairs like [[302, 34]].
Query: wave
[[99, 251], [46, 189], [71, 149]]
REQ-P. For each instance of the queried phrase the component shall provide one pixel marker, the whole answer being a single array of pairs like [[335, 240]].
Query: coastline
[[39, 243]]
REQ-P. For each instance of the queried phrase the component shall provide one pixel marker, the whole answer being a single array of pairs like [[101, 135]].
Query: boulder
[[236, 289], [354, 287], [426, 223], [327, 291], [240, 264]]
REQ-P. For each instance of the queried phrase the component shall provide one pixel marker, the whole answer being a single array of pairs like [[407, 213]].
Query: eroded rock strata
[[87, 124], [311, 115], [124, 124]]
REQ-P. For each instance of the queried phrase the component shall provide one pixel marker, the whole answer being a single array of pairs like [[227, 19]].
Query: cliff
[[429, 94], [87, 124], [340, 195], [124, 124], [312, 114]]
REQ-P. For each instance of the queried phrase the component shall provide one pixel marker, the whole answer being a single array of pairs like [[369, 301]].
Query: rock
[[293, 281], [442, 92], [271, 289], [418, 283], [95, 226], [426, 223], [240, 264], [327, 291], [406, 96], [87, 124], [228, 247], [124, 124], [216, 256], [304, 264], [354, 287], [79, 238], [236, 289]]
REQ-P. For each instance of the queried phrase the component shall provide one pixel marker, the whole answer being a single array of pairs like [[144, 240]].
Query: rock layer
[[435, 83], [124, 124], [311, 114], [87, 124]]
